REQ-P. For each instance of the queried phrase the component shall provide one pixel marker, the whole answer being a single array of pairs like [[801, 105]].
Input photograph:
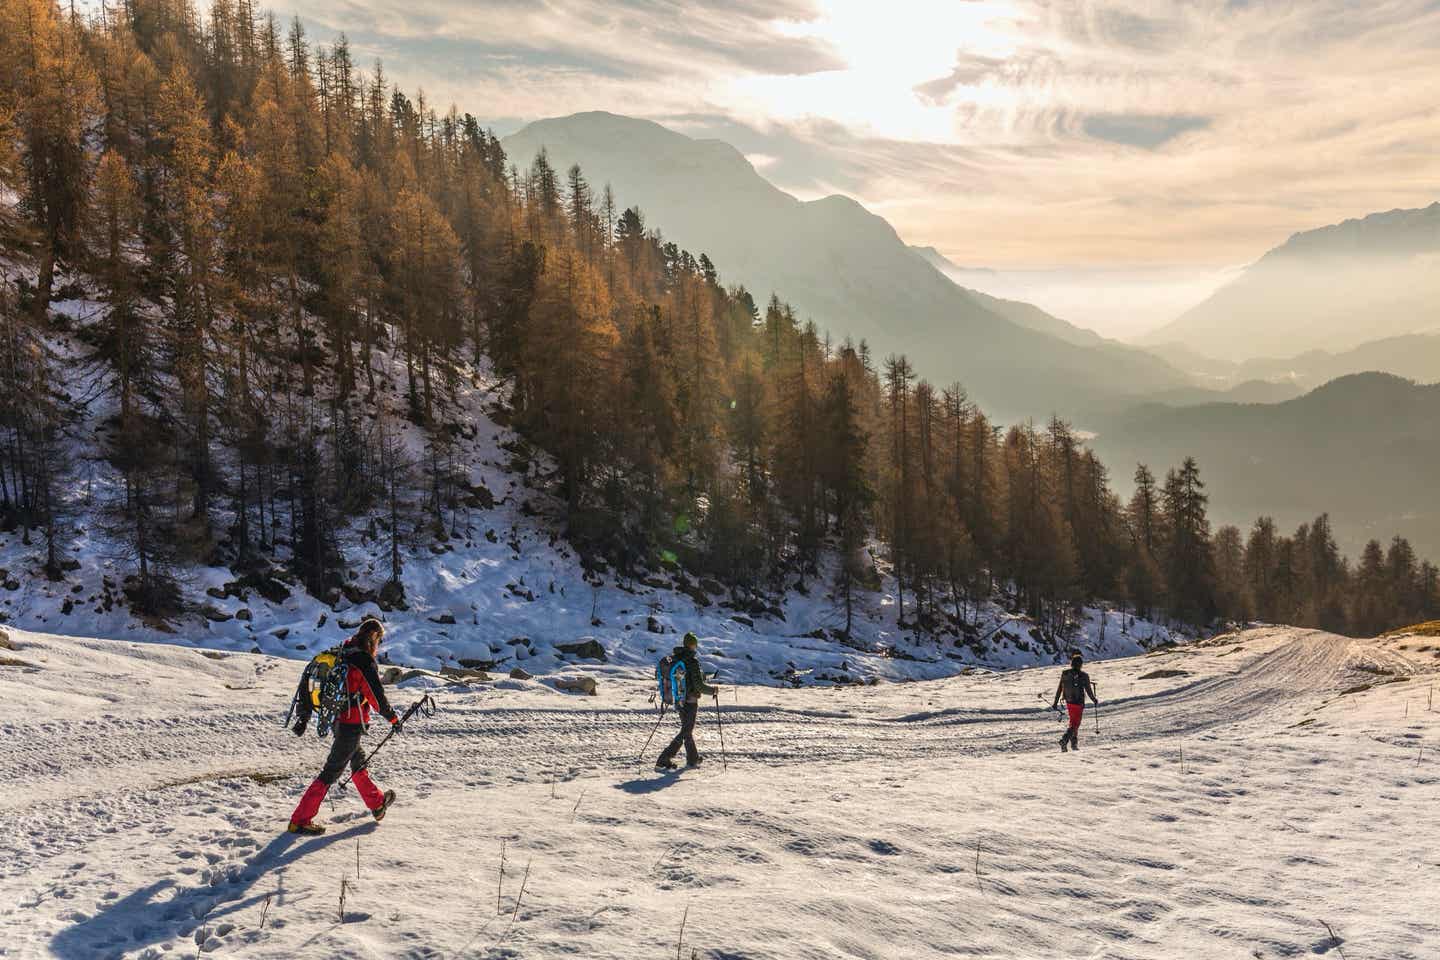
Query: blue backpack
[[670, 677]]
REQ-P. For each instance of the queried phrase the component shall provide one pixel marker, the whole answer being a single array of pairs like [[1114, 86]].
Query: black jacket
[[1075, 684], [695, 685]]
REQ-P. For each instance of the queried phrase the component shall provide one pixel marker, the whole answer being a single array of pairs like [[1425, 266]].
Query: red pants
[[345, 750], [1076, 711], [315, 795]]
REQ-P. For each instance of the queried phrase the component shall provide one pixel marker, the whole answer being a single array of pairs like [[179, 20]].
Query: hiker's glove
[[300, 725], [397, 725]]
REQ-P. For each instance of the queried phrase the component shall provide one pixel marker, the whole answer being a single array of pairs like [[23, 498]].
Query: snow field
[[148, 786]]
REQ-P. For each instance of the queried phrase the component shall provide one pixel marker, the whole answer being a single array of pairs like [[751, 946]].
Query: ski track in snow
[[147, 786]]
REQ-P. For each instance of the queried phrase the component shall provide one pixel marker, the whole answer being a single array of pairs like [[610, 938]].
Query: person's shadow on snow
[[143, 918], [652, 784]]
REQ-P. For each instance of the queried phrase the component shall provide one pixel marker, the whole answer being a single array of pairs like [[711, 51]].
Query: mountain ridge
[[1383, 423], [1332, 288], [845, 267]]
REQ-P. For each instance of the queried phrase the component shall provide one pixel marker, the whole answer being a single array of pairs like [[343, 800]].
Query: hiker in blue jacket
[[695, 688]]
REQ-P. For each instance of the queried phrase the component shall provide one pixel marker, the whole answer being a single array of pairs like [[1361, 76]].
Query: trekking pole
[[1097, 709], [425, 706], [724, 763], [652, 734], [1052, 709]]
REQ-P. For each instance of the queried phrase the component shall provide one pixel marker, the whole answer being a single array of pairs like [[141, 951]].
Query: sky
[[1143, 149]]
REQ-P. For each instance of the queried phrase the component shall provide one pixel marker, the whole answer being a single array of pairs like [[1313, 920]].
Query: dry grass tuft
[[1430, 628]]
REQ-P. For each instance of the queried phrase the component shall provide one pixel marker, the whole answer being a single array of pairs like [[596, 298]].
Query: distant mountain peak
[[846, 268], [1391, 233], [1332, 288]]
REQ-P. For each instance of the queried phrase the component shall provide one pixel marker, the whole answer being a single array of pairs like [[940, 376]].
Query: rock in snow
[[585, 685], [589, 649]]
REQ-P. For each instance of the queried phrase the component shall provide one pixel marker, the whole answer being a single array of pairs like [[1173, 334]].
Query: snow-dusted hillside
[[1263, 795], [501, 588]]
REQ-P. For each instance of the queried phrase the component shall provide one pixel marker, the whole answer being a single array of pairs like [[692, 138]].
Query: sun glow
[[886, 58]]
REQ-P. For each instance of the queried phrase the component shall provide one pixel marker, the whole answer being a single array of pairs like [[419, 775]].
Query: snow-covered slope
[[501, 588], [1267, 794]]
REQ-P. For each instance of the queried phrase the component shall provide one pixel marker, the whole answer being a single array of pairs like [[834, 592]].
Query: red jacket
[[364, 687]]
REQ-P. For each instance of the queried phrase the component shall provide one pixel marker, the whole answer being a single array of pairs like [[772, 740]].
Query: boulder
[[587, 649], [272, 589], [392, 595], [653, 625], [519, 641], [585, 685], [447, 619], [214, 614], [216, 592], [281, 634], [517, 673], [356, 594], [714, 587], [464, 673], [243, 613], [743, 621], [474, 664], [5, 642], [394, 675]]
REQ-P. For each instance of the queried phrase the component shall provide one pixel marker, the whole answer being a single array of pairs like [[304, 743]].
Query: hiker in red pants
[[362, 683], [1074, 684]]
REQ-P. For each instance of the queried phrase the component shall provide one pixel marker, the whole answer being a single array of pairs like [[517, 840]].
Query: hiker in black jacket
[[365, 692], [695, 688], [1074, 684]]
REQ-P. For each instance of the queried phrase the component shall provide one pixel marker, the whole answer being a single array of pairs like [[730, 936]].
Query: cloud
[[1035, 133], [1141, 130], [644, 41]]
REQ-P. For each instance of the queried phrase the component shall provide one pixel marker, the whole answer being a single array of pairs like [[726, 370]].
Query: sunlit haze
[[1139, 150]]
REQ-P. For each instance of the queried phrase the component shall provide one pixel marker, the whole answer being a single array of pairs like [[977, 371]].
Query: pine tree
[[843, 472], [49, 99], [1189, 566], [1261, 573]]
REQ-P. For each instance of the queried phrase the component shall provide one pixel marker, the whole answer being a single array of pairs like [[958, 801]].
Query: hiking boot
[[663, 766], [309, 828], [1065, 744], [694, 763], [379, 812]]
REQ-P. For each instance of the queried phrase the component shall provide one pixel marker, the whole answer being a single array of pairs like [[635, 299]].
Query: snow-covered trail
[[146, 787]]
